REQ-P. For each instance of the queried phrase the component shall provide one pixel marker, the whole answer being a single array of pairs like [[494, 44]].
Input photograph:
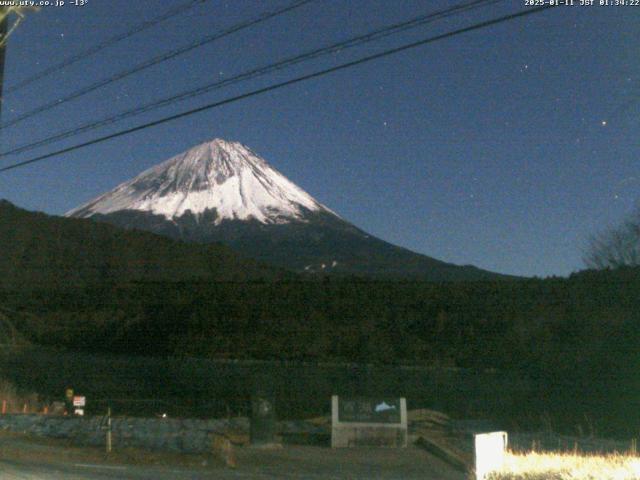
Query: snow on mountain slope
[[220, 175], [222, 192]]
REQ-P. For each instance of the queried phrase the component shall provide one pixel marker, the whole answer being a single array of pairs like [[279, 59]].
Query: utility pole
[[4, 30]]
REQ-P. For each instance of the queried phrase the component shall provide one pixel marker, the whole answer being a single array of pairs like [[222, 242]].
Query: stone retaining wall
[[178, 435]]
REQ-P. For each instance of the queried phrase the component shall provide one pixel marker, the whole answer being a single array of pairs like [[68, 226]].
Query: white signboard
[[371, 421], [490, 449], [79, 401]]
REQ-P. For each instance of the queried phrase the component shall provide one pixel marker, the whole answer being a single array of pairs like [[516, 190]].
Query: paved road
[[23, 460], [24, 470]]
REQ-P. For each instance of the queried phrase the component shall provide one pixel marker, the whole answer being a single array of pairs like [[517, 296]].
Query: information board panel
[[373, 421], [369, 410]]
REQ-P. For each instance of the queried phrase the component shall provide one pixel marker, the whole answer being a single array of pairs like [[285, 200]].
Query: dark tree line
[[616, 247]]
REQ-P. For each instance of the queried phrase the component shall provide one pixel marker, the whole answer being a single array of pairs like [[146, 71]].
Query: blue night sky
[[504, 148]]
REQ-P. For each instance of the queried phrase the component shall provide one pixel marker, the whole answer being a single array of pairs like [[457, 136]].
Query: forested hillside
[[111, 291], [41, 251]]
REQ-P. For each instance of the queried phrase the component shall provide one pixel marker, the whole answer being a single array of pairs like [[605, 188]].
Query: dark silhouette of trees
[[616, 247]]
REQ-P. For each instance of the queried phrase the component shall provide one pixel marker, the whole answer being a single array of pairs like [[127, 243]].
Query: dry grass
[[568, 466], [17, 402]]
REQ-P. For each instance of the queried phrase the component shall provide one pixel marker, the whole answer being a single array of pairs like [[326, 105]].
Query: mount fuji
[[221, 191]]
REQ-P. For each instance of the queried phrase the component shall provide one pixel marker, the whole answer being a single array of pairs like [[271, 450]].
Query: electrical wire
[[257, 72], [283, 84], [155, 61], [178, 10]]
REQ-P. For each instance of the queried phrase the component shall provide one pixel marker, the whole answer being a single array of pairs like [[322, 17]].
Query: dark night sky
[[504, 148]]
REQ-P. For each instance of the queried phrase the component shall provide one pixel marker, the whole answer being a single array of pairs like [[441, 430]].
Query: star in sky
[[583, 85]]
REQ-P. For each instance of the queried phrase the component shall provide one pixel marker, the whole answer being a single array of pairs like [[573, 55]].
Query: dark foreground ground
[[25, 458]]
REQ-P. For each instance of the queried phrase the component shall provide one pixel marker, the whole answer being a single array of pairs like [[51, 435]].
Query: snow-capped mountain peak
[[221, 175]]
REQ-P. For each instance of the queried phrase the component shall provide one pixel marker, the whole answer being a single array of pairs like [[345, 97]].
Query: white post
[[490, 450], [109, 430]]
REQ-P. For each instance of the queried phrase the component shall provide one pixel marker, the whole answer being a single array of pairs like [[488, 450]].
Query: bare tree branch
[[616, 247]]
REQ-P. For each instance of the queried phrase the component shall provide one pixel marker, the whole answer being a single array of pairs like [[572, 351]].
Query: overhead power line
[[257, 72], [177, 10], [283, 84], [155, 61]]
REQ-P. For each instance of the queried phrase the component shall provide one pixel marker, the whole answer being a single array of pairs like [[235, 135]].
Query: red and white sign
[[79, 401]]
